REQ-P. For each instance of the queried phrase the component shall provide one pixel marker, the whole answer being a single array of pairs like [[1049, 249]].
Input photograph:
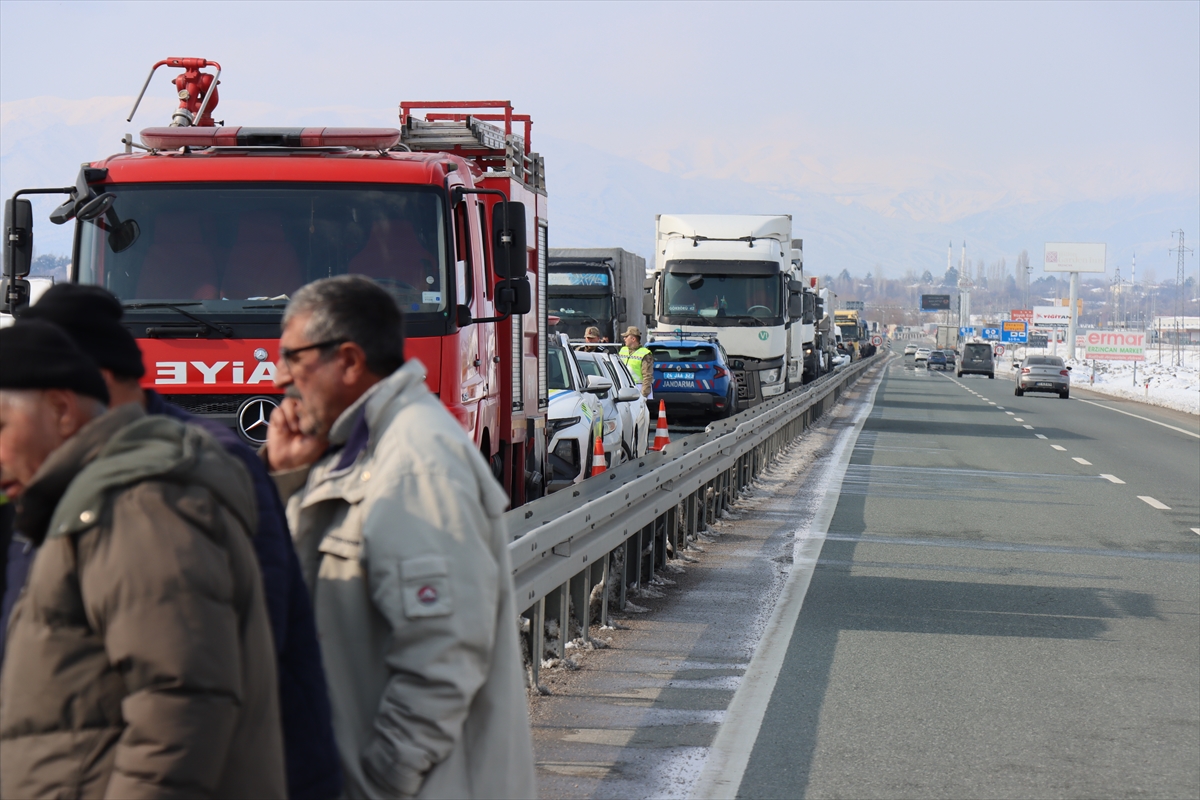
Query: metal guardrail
[[563, 544]]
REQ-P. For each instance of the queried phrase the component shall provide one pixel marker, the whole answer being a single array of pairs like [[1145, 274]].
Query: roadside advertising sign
[[1013, 331], [1074, 257], [1114, 345], [1051, 317], [1038, 340], [991, 334], [966, 333], [1021, 315], [935, 302]]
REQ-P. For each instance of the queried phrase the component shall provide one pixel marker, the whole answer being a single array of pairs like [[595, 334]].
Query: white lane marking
[[1038, 435], [1059, 447], [1011, 413], [730, 751], [990, 403], [1001, 408], [1195, 530], [1111, 478], [1135, 416], [1150, 501], [1030, 427], [1083, 461], [1017, 419]]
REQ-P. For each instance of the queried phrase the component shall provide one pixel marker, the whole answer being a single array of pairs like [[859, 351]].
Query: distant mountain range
[[598, 199]]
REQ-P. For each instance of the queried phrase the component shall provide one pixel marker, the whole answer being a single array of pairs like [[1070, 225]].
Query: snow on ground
[[1171, 385]]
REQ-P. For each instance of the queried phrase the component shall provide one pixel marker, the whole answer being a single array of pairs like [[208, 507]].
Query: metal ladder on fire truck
[[473, 136]]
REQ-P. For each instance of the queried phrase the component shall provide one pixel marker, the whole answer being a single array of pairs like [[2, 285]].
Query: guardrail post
[[537, 642], [564, 618], [607, 586], [624, 572], [673, 530], [581, 589]]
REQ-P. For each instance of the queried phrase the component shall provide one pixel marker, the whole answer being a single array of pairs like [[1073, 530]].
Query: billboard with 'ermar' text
[[1114, 345]]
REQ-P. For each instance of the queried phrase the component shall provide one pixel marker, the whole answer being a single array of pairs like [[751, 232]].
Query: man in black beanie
[[139, 654], [91, 315]]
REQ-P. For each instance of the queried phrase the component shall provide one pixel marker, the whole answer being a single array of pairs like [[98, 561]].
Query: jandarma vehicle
[[693, 377]]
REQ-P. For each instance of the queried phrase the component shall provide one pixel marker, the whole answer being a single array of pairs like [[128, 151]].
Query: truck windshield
[[849, 332], [593, 309], [235, 245], [721, 296]]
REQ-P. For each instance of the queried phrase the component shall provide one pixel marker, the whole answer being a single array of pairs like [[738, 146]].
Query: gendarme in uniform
[[639, 359]]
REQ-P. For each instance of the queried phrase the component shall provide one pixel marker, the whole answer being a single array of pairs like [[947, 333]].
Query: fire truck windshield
[[716, 297], [235, 245]]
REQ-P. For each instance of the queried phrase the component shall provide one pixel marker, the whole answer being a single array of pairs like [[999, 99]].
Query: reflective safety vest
[[633, 360]]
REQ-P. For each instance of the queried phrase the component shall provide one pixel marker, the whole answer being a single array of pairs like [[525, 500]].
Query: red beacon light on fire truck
[[356, 138]]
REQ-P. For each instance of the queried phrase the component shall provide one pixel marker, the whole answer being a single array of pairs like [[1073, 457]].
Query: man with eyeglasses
[[398, 523]]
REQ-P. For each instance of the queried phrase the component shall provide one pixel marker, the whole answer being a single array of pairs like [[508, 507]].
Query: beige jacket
[[139, 659], [402, 543]]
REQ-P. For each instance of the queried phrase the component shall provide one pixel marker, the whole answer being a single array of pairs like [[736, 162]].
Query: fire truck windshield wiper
[[223, 330]]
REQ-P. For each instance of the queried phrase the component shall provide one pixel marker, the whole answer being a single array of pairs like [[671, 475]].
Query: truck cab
[[734, 274]]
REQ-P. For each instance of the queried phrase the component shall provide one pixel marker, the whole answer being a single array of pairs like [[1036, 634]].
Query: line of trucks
[[204, 230]]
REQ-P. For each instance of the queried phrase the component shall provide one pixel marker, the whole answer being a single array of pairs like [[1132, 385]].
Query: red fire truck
[[206, 230]]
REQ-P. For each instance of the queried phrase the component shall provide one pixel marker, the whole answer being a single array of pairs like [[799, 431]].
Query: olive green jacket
[[139, 660]]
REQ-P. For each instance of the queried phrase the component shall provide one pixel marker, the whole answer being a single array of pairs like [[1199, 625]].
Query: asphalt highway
[[1006, 603]]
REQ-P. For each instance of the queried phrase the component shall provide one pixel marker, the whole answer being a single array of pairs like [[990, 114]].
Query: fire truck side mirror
[[514, 296], [462, 316], [18, 238], [508, 239]]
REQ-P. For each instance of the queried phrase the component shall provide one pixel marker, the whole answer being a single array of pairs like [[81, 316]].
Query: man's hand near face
[[288, 446]]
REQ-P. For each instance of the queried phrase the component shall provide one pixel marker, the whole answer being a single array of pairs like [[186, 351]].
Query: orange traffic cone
[[661, 437], [598, 462]]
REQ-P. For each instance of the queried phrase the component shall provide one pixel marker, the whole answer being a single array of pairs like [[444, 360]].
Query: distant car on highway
[[1044, 374], [951, 358], [922, 354], [910, 349], [977, 360], [937, 359]]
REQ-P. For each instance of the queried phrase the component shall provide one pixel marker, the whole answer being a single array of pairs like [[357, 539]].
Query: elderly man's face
[[32, 426], [315, 377]]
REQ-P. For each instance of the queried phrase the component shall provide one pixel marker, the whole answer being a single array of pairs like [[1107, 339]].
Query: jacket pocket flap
[[423, 567]]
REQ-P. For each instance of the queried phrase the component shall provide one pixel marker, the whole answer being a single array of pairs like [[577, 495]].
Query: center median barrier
[[563, 545]]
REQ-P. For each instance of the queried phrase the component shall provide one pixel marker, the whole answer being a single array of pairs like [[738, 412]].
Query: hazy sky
[[932, 111]]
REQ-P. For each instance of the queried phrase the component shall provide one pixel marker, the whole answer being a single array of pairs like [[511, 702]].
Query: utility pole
[[1180, 301]]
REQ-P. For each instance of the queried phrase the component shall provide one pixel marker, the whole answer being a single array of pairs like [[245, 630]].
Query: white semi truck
[[741, 276]]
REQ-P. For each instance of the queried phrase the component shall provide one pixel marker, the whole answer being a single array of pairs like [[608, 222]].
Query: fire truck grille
[[208, 404]]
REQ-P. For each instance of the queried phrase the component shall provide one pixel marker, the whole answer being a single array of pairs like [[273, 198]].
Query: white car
[[574, 409], [635, 411], [922, 355], [593, 367], [910, 349]]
